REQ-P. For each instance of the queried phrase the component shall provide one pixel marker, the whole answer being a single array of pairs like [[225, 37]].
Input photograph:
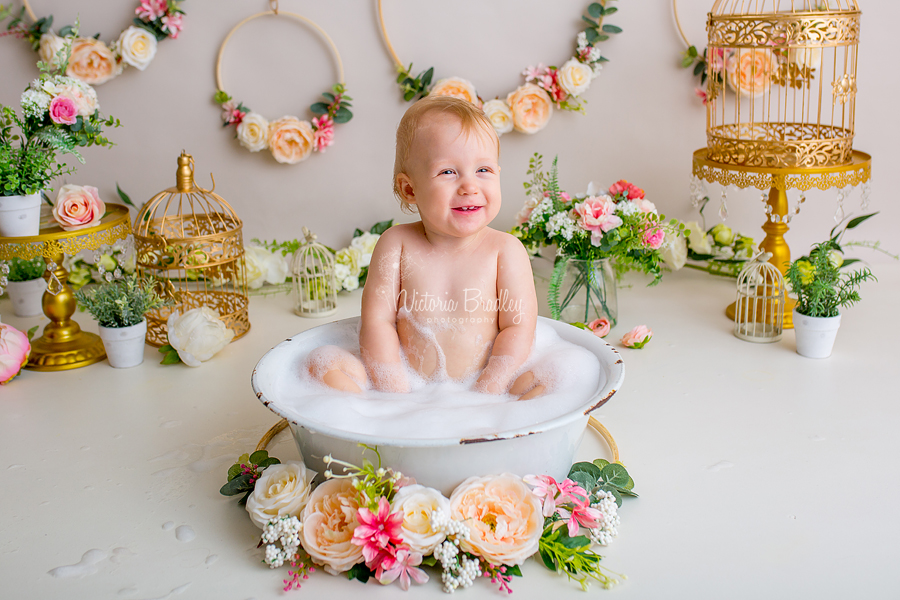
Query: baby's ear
[[405, 186]]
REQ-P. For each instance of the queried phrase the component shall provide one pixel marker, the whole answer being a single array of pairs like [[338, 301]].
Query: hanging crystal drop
[[698, 191], [864, 198], [723, 207], [51, 266], [54, 286], [839, 212]]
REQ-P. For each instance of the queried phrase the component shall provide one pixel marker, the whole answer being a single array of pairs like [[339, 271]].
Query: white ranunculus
[[350, 257], [365, 243], [698, 241], [51, 44], [498, 113], [674, 250], [137, 46], [197, 335], [264, 267], [416, 503], [281, 490], [341, 272], [350, 283], [575, 77], [253, 132]]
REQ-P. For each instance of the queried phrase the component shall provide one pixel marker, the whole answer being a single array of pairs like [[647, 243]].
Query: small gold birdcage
[[189, 238], [759, 308], [792, 67], [315, 285]]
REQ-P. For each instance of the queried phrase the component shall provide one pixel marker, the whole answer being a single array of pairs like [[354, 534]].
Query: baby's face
[[453, 178]]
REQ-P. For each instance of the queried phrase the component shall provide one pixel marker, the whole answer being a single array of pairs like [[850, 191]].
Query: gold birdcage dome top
[[743, 8]]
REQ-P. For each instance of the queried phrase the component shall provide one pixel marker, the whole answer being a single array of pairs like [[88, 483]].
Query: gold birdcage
[[759, 307], [190, 239], [315, 285], [789, 67]]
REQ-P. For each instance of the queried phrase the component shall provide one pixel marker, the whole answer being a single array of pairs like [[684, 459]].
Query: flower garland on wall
[[528, 108], [373, 522], [93, 61]]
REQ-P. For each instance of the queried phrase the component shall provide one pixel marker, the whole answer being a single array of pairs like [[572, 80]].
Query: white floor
[[761, 473]]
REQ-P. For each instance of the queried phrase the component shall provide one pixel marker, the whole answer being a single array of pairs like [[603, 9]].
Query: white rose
[[697, 241], [197, 335], [350, 283], [264, 267], [253, 132], [83, 95], [281, 490], [51, 44], [365, 243], [674, 250], [416, 503], [342, 272], [137, 47], [500, 116], [575, 77]]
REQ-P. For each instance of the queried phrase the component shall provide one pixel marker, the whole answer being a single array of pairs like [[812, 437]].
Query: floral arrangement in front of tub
[[372, 522]]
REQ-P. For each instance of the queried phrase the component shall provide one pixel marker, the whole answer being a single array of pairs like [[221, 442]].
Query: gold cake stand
[[64, 345], [778, 180]]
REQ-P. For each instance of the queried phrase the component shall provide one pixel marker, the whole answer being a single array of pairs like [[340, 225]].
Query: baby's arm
[[378, 340], [517, 318]]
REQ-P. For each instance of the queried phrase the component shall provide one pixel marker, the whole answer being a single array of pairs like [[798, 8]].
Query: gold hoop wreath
[[90, 60], [528, 108], [289, 139]]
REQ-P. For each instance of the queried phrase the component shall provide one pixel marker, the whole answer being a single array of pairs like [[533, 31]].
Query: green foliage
[[821, 288], [597, 31], [601, 475], [26, 270], [243, 474], [360, 571], [121, 303], [30, 333], [372, 481], [414, 87], [170, 355]]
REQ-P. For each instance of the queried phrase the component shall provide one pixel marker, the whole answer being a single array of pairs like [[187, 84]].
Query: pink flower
[[571, 491], [544, 487], [150, 10], [14, 351], [645, 206], [403, 565], [701, 94], [629, 190], [533, 73], [172, 24], [63, 111], [597, 214], [77, 207], [581, 515], [638, 337], [324, 135], [600, 327], [654, 237], [565, 197], [377, 532]]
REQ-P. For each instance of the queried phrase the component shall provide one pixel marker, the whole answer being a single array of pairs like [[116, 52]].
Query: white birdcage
[[315, 286], [759, 307]]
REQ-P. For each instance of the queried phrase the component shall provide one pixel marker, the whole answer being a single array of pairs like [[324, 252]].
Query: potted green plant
[[119, 308], [26, 286], [822, 289]]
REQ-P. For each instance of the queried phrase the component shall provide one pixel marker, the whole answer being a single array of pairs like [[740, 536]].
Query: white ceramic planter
[[26, 296], [124, 345], [815, 335], [20, 215]]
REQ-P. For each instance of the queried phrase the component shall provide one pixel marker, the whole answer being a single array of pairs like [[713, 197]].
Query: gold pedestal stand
[[64, 345], [778, 180]]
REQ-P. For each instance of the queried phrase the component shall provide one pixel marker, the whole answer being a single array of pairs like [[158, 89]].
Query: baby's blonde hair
[[471, 118]]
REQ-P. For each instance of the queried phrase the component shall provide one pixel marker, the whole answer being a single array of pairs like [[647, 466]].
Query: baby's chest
[[456, 284]]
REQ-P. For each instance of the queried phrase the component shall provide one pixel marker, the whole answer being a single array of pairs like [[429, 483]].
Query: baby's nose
[[467, 188]]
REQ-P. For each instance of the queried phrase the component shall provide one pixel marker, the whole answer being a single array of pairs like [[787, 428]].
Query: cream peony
[[253, 132], [83, 95], [365, 243], [750, 71], [531, 108], [264, 267], [416, 503], [575, 77], [197, 335], [50, 45], [77, 207], [503, 515], [498, 113], [290, 140], [328, 523], [137, 46], [281, 490], [456, 87], [698, 240], [674, 250], [92, 62]]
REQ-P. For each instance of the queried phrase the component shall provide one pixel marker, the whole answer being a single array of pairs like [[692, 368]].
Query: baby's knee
[[337, 368]]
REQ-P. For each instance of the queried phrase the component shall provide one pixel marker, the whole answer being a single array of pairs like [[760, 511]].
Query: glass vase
[[586, 291]]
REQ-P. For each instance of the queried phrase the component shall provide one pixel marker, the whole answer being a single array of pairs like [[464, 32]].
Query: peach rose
[[78, 206], [83, 95], [575, 77], [92, 62], [637, 337], [14, 351], [503, 515], [600, 327], [328, 523], [416, 503], [499, 115], [531, 108], [750, 72], [290, 139], [456, 87]]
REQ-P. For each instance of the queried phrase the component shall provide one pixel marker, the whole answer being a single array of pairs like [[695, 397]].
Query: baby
[[449, 294]]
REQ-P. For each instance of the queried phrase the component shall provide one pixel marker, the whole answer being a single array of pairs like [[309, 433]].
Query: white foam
[[86, 566], [184, 533]]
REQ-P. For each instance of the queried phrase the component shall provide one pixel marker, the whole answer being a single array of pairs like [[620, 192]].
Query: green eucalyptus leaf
[[342, 115], [593, 470], [601, 462], [259, 456], [699, 68], [610, 10], [234, 471], [380, 227], [268, 462], [595, 9], [238, 485], [589, 20], [607, 28], [319, 108], [329, 95], [584, 479]]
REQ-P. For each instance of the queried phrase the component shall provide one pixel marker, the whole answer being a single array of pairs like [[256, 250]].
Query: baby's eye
[[484, 170], [446, 172]]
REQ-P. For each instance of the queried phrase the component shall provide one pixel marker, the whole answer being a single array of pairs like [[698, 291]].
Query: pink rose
[[600, 327], [329, 520], [531, 108], [654, 237], [623, 187], [14, 351], [637, 337], [77, 207], [504, 518], [596, 214], [63, 111]]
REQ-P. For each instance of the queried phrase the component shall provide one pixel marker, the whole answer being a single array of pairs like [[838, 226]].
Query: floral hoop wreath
[[528, 108], [92, 61], [289, 139]]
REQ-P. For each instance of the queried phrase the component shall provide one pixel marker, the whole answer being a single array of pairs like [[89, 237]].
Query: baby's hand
[[389, 377]]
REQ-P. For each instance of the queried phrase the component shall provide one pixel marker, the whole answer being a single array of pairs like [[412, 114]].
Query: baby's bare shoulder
[[508, 244]]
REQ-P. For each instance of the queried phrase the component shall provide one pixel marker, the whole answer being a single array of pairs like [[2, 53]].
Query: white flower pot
[[124, 345], [815, 335], [20, 215], [26, 296]]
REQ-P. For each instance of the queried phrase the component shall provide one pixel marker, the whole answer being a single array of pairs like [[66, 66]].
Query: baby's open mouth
[[466, 208]]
